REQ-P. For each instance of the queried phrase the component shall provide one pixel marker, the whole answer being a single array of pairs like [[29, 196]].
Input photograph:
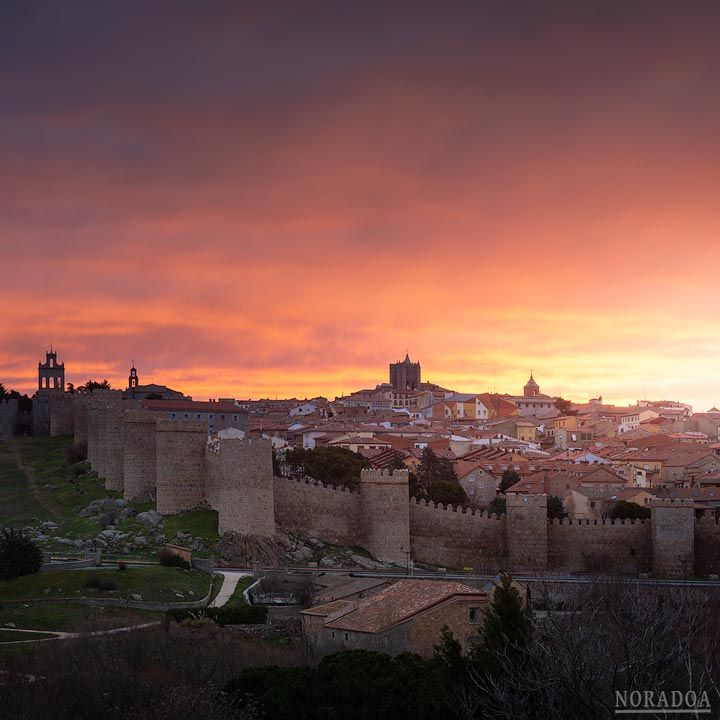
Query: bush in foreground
[[101, 584], [171, 559], [18, 554], [237, 615]]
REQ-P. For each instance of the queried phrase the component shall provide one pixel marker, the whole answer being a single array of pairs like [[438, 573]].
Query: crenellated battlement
[[456, 509], [306, 480], [672, 503], [604, 521], [175, 460], [395, 477]]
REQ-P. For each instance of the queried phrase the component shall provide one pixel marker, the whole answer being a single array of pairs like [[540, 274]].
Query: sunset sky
[[278, 199]]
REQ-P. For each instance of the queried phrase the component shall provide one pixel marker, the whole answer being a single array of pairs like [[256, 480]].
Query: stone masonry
[[180, 465], [142, 452], [385, 513], [239, 485], [8, 418], [673, 538], [527, 532], [139, 454]]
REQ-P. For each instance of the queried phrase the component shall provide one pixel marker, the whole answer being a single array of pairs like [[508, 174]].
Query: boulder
[[149, 517]]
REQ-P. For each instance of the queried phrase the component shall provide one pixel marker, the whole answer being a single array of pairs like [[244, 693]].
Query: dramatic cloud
[[276, 198]]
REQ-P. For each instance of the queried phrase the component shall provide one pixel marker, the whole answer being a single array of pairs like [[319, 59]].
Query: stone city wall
[[239, 486], [385, 515], [605, 546], [673, 538], [80, 418], [323, 511], [62, 414], [235, 478], [180, 470], [457, 538], [526, 532], [8, 418], [707, 546], [139, 455]]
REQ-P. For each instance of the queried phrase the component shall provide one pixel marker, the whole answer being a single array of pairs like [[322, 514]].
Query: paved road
[[60, 635], [230, 581]]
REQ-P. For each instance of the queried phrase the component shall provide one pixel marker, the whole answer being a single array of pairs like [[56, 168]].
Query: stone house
[[407, 616], [480, 484]]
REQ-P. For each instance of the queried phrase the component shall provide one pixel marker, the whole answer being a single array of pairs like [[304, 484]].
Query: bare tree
[[605, 636]]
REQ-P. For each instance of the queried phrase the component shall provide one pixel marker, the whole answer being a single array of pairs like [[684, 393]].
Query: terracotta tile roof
[[353, 587], [192, 406], [396, 604]]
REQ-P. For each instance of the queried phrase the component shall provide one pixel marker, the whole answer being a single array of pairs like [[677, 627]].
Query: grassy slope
[[18, 506], [69, 493], [237, 597], [76, 617], [154, 583]]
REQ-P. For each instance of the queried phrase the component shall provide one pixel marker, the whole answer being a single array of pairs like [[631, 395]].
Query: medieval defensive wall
[[146, 455]]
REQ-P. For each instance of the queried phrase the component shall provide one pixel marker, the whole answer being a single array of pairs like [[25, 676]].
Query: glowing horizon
[[267, 201]]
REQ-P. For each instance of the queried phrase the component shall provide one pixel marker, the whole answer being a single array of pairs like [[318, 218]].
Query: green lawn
[[237, 597], [18, 506], [157, 584], [63, 489], [9, 636], [72, 618]]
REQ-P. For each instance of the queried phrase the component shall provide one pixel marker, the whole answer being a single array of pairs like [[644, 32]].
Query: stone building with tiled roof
[[407, 616]]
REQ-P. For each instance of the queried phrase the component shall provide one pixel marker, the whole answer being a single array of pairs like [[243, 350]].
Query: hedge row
[[239, 615]]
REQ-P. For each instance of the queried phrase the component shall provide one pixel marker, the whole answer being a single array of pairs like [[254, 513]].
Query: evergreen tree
[[18, 554], [555, 509], [508, 479], [91, 385], [396, 463], [427, 470], [446, 492], [498, 506], [507, 623], [625, 510], [448, 654], [433, 469]]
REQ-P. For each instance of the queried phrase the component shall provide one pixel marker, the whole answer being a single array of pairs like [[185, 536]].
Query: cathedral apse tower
[[405, 375]]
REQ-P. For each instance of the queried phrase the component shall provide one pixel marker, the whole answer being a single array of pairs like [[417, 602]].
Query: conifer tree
[[507, 623]]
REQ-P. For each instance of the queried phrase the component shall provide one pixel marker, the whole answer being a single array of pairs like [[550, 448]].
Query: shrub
[[235, 615], [78, 470], [624, 510], [77, 453], [101, 584], [498, 506], [555, 509], [122, 566], [171, 559], [18, 554], [447, 492]]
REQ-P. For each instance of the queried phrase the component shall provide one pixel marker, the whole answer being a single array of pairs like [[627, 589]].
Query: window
[[592, 503], [333, 633], [473, 615], [173, 416], [212, 417], [346, 636], [222, 417], [235, 418], [198, 416], [186, 416]]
